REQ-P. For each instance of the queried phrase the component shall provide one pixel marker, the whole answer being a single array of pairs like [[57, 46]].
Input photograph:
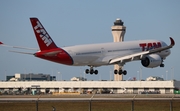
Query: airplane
[[151, 53]]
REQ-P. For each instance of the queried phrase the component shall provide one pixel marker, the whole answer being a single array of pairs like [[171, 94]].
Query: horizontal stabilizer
[[22, 52], [18, 47]]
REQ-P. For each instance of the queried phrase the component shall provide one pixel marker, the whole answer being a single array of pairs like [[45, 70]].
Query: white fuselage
[[100, 54]]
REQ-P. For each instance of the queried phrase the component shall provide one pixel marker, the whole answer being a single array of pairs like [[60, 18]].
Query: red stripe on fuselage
[[61, 57]]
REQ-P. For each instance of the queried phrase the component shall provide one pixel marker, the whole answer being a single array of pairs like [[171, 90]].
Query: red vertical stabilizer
[[44, 40]]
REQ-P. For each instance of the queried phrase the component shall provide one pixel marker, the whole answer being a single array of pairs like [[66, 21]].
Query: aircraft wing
[[18, 47], [128, 57], [140, 54]]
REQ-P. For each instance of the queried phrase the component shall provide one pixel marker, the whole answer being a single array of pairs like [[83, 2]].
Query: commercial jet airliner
[[151, 53]]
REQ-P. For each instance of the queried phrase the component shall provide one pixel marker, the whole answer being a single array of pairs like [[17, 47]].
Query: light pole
[[52, 75], [30, 76], [84, 74], [166, 75], [141, 72], [110, 74], [59, 75], [80, 71], [5, 74], [172, 73], [138, 74]]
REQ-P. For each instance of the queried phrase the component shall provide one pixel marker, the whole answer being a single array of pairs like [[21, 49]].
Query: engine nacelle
[[151, 61]]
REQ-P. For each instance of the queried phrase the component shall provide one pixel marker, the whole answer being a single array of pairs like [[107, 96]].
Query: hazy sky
[[71, 22]]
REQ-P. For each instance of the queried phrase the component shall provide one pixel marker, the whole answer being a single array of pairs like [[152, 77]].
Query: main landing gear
[[120, 71], [91, 71]]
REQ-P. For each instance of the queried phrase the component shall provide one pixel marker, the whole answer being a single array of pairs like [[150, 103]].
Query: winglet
[[172, 41]]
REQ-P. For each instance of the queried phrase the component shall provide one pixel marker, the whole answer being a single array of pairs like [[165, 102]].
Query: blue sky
[[72, 22]]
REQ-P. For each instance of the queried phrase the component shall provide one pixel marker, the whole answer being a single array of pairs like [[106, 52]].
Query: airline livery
[[151, 53]]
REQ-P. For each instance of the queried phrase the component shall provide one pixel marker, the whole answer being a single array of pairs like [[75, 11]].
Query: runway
[[85, 99]]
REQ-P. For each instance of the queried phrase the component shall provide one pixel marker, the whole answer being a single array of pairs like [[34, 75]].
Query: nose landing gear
[[161, 65]]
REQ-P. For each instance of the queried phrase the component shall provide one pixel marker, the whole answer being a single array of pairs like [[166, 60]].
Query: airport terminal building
[[44, 83], [129, 87]]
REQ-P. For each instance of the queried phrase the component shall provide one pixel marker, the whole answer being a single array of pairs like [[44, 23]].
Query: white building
[[31, 77], [132, 87]]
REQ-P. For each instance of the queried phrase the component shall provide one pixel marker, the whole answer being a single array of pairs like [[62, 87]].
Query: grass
[[84, 106]]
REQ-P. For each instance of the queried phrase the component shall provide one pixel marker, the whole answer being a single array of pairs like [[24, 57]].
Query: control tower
[[118, 32]]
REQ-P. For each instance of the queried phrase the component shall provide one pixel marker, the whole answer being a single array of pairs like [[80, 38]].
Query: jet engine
[[151, 61]]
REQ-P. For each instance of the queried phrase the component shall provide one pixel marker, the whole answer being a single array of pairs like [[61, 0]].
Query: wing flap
[[128, 57]]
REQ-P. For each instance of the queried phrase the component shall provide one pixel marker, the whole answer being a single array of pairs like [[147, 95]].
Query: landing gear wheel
[[91, 71], [161, 65], [96, 72], [124, 72], [115, 71], [87, 71], [120, 72]]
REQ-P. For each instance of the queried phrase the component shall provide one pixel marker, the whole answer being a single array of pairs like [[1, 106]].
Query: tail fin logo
[[43, 34]]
